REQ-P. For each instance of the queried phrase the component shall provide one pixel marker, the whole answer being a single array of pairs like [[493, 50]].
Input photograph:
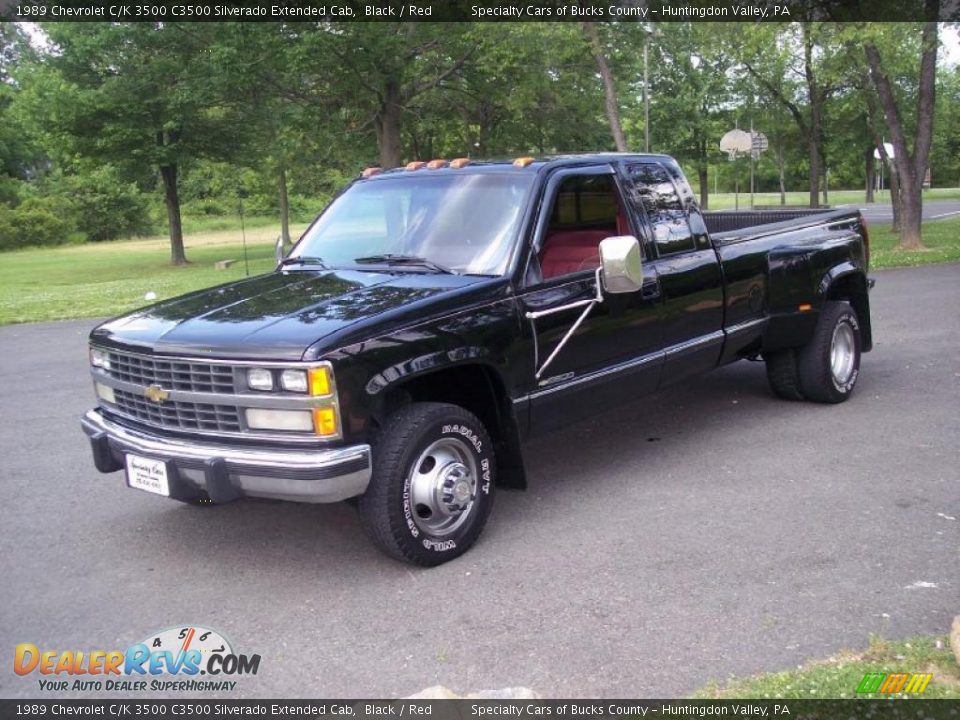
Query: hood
[[278, 316]]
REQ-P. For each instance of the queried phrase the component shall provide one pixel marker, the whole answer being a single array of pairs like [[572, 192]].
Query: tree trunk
[[609, 87], [911, 213], [816, 117], [703, 175], [911, 167], [388, 124], [172, 201], [284, 207], [895, 197], [870, 170], [780, 171]]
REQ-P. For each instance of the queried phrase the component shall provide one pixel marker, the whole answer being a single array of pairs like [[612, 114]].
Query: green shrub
[[103, 205], [36, 221]]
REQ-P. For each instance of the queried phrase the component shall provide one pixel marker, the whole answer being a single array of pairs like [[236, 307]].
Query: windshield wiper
[[390, 259], [303, 260]]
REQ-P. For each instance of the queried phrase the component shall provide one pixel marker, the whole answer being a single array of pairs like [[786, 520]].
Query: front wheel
[[828, 366], [432, 487]]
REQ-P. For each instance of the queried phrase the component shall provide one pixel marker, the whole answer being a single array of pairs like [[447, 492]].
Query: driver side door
[[614, 352]]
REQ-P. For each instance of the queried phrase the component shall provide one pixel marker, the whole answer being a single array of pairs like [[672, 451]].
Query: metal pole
[[243, 233], [646, 95], [751, 163]]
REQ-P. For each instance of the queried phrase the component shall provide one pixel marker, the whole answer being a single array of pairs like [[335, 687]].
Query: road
[[705, 531], [932, 210]]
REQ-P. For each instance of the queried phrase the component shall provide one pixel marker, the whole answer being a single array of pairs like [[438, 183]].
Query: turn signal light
[[325, 421], [319, 381]]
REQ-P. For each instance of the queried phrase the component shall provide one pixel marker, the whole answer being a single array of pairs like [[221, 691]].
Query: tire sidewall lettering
[[473, 440]]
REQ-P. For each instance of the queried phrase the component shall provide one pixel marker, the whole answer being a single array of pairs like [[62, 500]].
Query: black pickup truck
[[435, 316]]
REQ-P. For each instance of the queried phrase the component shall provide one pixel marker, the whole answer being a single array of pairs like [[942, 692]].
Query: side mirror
[[278, 250], [620, 264]]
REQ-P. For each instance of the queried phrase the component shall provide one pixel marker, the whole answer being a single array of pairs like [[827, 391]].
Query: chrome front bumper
[[225, 472]]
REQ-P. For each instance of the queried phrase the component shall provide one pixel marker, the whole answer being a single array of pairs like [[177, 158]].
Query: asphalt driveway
[[705, 531]]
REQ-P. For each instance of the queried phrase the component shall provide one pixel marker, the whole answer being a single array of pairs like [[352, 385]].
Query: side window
[[655, 193], [584, 211]]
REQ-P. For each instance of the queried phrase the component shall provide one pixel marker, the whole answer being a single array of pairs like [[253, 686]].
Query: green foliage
[[36, 221], [92, 115], [102, 204]]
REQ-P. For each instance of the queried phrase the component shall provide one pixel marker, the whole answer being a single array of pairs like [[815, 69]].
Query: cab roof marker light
[[522, 162], [415, 165], [805, 307], [371, 171], [436, 164], [459, 163]]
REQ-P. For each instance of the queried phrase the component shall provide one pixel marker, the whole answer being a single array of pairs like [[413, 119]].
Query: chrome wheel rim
[[842, 354], [443, 487]]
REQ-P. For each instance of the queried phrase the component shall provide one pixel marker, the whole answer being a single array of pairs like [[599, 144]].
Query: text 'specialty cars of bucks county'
[[435, 316]]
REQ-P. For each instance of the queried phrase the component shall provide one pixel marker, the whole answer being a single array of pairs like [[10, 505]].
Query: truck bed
[[725, 226]]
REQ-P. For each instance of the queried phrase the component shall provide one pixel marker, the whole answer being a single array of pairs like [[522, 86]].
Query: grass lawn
[[103, 279], [726, 201], [839, 676], [941, 237]]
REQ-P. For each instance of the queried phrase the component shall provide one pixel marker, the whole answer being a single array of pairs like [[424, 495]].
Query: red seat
[[568, 251]]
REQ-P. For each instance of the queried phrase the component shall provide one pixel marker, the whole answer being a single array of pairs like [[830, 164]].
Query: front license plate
[[146, 474]]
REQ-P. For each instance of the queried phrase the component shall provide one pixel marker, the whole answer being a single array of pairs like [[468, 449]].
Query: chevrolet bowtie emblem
[[156, 393]]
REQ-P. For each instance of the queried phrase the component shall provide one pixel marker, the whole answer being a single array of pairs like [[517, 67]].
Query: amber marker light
[[436, 164], [522, 162], [459, 163], [415, 165], [319, 381], [325, 421], [371, 171], [806, 307]]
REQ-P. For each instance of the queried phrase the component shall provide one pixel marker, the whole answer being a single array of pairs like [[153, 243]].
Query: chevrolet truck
[[435, 316]]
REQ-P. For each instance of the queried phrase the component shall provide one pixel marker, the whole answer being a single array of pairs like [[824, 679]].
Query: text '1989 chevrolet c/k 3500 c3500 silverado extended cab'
[[435, 316]]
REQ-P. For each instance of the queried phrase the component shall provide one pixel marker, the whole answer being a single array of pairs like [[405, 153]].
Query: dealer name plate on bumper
[[146, 474]]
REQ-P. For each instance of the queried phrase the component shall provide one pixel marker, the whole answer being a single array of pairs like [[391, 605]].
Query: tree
[[144, 97], [691, 90], [611, 101], [381, 68], [911, 162], [797, 65]]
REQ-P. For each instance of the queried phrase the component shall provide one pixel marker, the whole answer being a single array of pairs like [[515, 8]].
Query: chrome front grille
[[178, 415], [172, 374]]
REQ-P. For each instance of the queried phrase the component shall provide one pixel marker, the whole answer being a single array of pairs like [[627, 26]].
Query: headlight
[[100, 358], [294, 380], [260, 379], [259, 419]]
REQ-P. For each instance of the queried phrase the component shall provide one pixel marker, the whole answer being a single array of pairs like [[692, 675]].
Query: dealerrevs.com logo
[[189, 659]]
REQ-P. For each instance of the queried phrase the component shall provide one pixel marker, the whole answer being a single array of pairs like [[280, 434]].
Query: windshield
[[464, 222]]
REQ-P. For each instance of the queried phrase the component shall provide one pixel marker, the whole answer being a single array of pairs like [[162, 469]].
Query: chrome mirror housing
[[620, 265]]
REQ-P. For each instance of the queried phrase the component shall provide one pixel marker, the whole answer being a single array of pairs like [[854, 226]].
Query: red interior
[[567, 251]]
